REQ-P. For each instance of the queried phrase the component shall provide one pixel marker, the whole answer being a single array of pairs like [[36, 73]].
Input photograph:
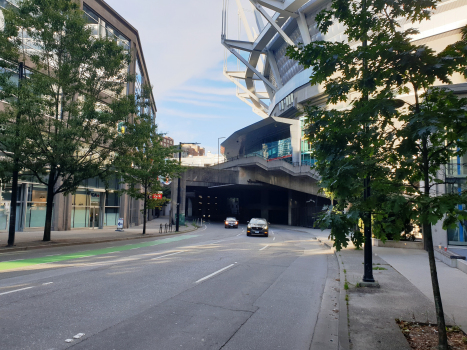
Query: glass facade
[[101, 29], [306, 154], [88, 204], [36, 206], [456, 172], [5, 198], [457, 235]]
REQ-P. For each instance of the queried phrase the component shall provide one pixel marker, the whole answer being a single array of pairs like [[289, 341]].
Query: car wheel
[[248, 234], [266, 235]]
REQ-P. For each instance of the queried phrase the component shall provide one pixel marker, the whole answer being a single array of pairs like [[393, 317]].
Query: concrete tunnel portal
[[247, 189]]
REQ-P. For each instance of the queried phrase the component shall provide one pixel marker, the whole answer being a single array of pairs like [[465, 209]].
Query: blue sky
[[184, 56]]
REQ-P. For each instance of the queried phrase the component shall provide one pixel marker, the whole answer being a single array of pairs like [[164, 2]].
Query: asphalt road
[[214, 288]]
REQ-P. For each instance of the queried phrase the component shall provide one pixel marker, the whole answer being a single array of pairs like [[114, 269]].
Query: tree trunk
[[145, 205], [442, 335], [49, 207], [427, 236], [13, 203]]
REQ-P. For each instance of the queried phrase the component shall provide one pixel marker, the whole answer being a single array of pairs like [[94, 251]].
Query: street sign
[[120, 224], [157, 195]]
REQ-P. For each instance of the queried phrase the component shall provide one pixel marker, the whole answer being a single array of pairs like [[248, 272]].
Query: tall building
[[262, 51], [92, 206], [167, 141]]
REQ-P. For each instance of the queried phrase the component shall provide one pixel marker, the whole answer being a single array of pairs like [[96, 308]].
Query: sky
[[181, 42]]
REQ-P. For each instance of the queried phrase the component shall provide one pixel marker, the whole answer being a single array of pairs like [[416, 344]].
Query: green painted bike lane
[[9, 265]]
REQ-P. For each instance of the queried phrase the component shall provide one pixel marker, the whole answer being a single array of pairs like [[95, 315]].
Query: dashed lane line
[[215, 273], [264, 247], [16, 290], [163, 256]]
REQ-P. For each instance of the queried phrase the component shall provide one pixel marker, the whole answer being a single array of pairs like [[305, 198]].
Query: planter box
[[395, 244]]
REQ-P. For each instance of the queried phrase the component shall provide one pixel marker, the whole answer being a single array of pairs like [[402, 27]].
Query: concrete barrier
[[462, 265], [397, 244]]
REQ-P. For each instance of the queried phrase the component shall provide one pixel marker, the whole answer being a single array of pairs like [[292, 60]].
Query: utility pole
[[14, 183], [368, 251]]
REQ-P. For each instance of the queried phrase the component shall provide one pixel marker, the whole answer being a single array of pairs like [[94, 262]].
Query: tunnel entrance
[[275, 204]]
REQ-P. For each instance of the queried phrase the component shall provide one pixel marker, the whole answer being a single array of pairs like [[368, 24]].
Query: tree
[[145, 161], [398, 144], [68, 107]]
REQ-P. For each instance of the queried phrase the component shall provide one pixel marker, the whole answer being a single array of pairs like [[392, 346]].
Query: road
[[213, 288]]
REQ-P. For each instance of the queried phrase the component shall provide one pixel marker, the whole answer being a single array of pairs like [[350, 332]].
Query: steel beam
[[246, 63]]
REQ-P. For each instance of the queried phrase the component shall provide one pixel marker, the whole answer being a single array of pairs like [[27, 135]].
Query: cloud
[[197, 102], [180, 40], [189, 115], [192, 95], [210, 90]]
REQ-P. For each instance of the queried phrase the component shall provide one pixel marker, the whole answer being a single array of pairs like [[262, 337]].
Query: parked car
[[231, 222], [257, 226]]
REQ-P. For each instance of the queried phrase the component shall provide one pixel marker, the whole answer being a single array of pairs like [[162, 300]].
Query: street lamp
[[218, 150], [177, 223]]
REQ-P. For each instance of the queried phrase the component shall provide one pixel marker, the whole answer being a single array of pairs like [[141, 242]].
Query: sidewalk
[[33, 239], [405, 293]]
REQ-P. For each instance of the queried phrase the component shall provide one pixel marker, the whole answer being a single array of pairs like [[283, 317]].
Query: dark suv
[[257, 227]]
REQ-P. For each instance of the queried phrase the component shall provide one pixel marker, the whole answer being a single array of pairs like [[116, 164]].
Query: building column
[[183, 195], [265, 204], [24, 207], [123, 210], [173, 202], [101, 210], [60, 212], [289, 208]]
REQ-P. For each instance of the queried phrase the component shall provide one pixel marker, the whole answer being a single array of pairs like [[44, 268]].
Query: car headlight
[[249, 226], [226, 222], [265, 227], [236, 222]]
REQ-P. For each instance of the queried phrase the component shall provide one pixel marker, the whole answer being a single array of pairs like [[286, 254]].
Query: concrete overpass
[[250, 187]]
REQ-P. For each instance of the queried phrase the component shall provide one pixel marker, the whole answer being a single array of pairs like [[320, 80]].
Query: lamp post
[[177, 223], [218, 150]]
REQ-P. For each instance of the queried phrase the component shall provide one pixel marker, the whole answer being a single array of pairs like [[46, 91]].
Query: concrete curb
[[343, 329], [344, 341], [147, 235]]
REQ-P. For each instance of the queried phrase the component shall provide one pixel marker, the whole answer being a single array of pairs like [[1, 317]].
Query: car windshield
[[230, 219], [258, 221]]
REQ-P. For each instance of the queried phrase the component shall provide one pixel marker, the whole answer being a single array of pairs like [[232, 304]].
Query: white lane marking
[[44, 284], [163, 256], [17, 290], [215, 273], [264, 247], [274, 239], [77, 336], [239, 234]]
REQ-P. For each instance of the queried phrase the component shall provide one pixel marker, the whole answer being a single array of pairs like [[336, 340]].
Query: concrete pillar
[[24, 206], [265, 204], [61, 218], [101, 210], [190, 207], [183, 194], [289, 208], [123, 210], [173, 202]]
